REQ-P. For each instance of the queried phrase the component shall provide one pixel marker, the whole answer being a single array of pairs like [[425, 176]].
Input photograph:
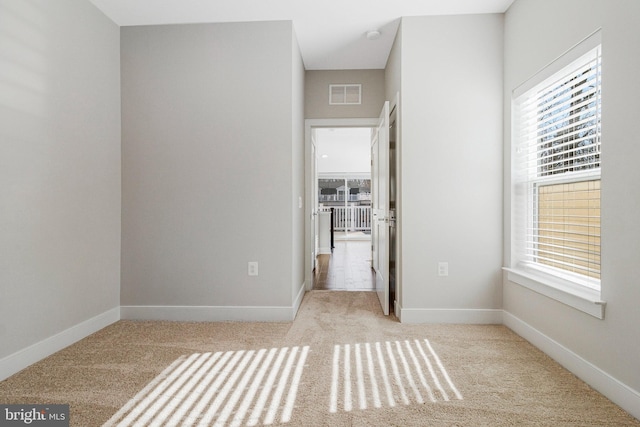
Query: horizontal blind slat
[[556, 160]]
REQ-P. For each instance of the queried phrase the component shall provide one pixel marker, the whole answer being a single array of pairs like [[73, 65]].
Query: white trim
[[452, 316], [579, 297], [26, 357], [298, 300], [21, 359], [397, 310], [184, 313], [343, 175], [616, 391]]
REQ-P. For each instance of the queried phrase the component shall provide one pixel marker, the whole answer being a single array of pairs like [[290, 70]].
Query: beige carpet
[[340, 363]]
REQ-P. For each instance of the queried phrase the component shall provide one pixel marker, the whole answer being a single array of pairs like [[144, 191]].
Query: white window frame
[[571, 289]]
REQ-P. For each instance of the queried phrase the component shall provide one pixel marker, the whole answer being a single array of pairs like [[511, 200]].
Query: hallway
[[348, 268]]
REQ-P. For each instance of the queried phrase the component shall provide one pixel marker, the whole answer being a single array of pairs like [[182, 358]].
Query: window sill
[[583, 299]]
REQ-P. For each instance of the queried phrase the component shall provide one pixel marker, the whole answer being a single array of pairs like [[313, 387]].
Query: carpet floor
[[340, 363]]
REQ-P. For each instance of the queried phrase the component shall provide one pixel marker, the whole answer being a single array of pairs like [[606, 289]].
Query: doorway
[[343, 195], [313, 217]]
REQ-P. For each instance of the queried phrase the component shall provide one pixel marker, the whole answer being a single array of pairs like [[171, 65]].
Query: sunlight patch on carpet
[[388, 374], [225, 388]]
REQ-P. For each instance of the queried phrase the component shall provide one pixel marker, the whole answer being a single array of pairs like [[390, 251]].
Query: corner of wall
[[21, 359], [615, 390]]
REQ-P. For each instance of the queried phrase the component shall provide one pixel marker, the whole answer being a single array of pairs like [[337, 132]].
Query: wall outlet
[[253, 268], [443, 269]]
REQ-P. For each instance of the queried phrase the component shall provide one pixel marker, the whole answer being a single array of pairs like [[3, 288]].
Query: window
[[556, 170]]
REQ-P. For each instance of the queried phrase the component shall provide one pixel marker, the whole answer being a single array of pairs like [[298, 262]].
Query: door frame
[[309, 126]]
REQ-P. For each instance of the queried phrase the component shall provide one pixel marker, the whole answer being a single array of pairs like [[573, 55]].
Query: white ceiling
[[331, 33]]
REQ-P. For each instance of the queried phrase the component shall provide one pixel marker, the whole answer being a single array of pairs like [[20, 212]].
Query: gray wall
[[450, 71], [297, 168], [317, 93], [393, 88], [59, 169], [535, 37], [212, 123]]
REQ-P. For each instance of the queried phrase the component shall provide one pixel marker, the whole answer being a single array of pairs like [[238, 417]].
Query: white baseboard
[[616, 391], [21, 359], [466, 316], [207, 313], [298, 300]]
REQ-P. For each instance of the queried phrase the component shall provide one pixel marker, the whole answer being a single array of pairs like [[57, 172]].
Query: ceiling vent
[[345, 94]]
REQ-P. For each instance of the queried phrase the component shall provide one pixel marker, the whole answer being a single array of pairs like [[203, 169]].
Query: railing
[[352, 218], [340, 198]]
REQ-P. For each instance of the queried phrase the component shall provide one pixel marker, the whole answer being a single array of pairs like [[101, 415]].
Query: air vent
[[345, 94]]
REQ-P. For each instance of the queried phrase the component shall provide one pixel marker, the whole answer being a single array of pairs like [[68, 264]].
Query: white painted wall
[[450, 70], [393, 89], [534, 37], [393, 69], [212, 169], [297, 177], [60, 175]]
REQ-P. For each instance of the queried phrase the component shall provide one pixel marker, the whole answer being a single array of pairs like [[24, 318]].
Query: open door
[[380, 207], [314, 200]]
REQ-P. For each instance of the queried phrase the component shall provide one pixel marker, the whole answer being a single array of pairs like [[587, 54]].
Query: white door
[[380, 207], [314, 200]]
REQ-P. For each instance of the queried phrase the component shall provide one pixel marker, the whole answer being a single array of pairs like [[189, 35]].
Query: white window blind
[[556, 171]]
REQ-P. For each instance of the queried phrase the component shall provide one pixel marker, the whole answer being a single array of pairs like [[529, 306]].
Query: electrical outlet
[[253, 268], [443, 269]]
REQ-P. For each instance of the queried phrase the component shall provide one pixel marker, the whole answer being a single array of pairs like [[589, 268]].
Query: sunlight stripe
[[295, 383], [333, 402], [266, 390], [385, 376], [277, 396], [205, 384], [432, 372], [223, 385], [348, 404], [418, 369], [396, 374], [164, 401], [362, 397], [407, 372], [400, 370], [205, 399], [372, 377], [144, 392], [253, 390], [443, 370], [151, 397], [224, 392], [183, 399], [239, 389]]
